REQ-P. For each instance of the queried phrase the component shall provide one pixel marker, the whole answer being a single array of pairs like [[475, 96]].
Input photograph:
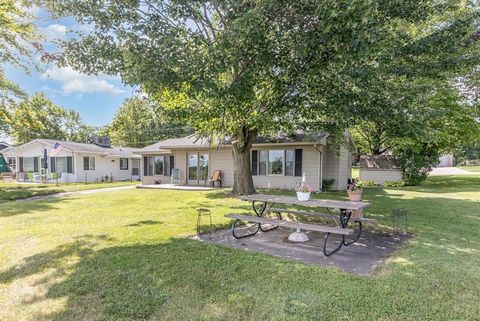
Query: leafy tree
[[244, 68], [139, 122], [17, 38], [38, 117]]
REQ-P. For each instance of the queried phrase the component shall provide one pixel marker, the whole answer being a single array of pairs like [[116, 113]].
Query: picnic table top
[[346, 205]]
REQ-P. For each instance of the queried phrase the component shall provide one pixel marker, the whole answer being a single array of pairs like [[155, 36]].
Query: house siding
[[338, 166], [104, 166]]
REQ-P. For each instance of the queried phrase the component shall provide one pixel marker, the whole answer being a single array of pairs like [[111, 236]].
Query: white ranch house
[[75, 162], [277, 163]]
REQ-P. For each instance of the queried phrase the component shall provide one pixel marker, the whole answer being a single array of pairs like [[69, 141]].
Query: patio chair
[[53, 177], [34, 177], [216, 177], [175, 176]]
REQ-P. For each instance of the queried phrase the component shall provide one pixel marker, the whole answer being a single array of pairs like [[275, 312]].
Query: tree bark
[[242, 174]]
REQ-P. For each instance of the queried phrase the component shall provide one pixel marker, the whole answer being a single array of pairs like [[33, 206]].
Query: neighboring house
[[446, 160], [277, 163], [380, 168], [4, 145], [77, 162], [8, 154]]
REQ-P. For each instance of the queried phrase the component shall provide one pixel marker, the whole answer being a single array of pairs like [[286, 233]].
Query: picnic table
[[262, 204]]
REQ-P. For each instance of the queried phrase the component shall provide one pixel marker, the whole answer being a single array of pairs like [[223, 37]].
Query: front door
[[135, 169], [197, 168]]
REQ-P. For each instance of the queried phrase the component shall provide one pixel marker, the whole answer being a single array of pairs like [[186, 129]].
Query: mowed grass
[[12, 191], [471, 168], [120, 256]]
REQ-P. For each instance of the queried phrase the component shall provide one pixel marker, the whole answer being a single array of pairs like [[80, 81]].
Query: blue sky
[[96, 98]]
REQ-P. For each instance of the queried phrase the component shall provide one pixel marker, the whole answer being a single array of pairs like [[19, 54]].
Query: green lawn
[[120, 258], [12, 191], [471, 168]]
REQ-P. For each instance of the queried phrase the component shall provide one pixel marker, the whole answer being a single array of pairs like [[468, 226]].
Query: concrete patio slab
[[360, 258], [177, 187]]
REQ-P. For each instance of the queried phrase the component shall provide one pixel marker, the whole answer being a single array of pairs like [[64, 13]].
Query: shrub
[[366, 183], [416, 161], [394, 184], [327, 184]]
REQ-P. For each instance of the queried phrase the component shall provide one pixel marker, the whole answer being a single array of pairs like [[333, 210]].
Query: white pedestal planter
[[301, 196], [298, 236]]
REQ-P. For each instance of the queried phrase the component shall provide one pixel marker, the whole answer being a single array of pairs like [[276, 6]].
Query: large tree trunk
[[242, 175]]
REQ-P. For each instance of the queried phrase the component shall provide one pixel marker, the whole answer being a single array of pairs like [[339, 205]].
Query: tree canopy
[[17, 38], [38, 117], [244, 68], [139, 123]]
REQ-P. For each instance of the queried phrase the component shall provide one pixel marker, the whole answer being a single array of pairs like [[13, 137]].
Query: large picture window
[[275, 162], [158, 165], [61, 165], [287, 162], [28, 164]]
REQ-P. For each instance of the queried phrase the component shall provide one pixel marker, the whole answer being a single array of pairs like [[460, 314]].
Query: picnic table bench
[[262, 204]]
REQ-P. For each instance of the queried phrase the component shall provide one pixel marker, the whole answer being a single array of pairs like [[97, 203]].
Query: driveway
[[438, 171]]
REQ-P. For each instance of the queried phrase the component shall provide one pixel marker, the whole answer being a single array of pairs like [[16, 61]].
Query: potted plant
[[354, 193], [303, 191]]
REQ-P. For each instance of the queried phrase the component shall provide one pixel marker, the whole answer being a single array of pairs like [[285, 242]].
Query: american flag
[[56, 148]]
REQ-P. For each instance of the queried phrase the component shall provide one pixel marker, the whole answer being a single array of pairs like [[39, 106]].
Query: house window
[[123, 163], [11, 161], [289, 162], [159, 162], [277, 162], [61, 165], [88, 163], [262, 165], [29, 164], [158, 165]]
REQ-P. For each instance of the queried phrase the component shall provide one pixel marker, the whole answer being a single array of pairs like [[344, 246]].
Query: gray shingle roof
[[379, 162], [91, 148], [192, 141]]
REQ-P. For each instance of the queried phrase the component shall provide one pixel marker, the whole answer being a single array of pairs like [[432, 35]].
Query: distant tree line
[[137, 123]]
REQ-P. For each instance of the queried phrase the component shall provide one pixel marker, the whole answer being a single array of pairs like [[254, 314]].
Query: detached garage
[[380, 168]]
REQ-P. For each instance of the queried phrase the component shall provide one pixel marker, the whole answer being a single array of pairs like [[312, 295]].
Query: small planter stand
[[298, 236], [204, 212]]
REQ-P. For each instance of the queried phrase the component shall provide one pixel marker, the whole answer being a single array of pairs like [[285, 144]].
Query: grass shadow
[[42, 205]]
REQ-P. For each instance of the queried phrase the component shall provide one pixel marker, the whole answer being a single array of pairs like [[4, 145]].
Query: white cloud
[[55, 31], [74, 82]]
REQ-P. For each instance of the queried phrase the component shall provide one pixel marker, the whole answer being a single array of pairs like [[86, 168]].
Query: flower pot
[[303, 196], [356, 195]]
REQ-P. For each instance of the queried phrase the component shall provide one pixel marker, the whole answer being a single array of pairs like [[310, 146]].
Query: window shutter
[[298, 162], [52, 165], [20, 161], [254, 162], [35, 164], [145, 165], [69, 164], [172, 164]]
